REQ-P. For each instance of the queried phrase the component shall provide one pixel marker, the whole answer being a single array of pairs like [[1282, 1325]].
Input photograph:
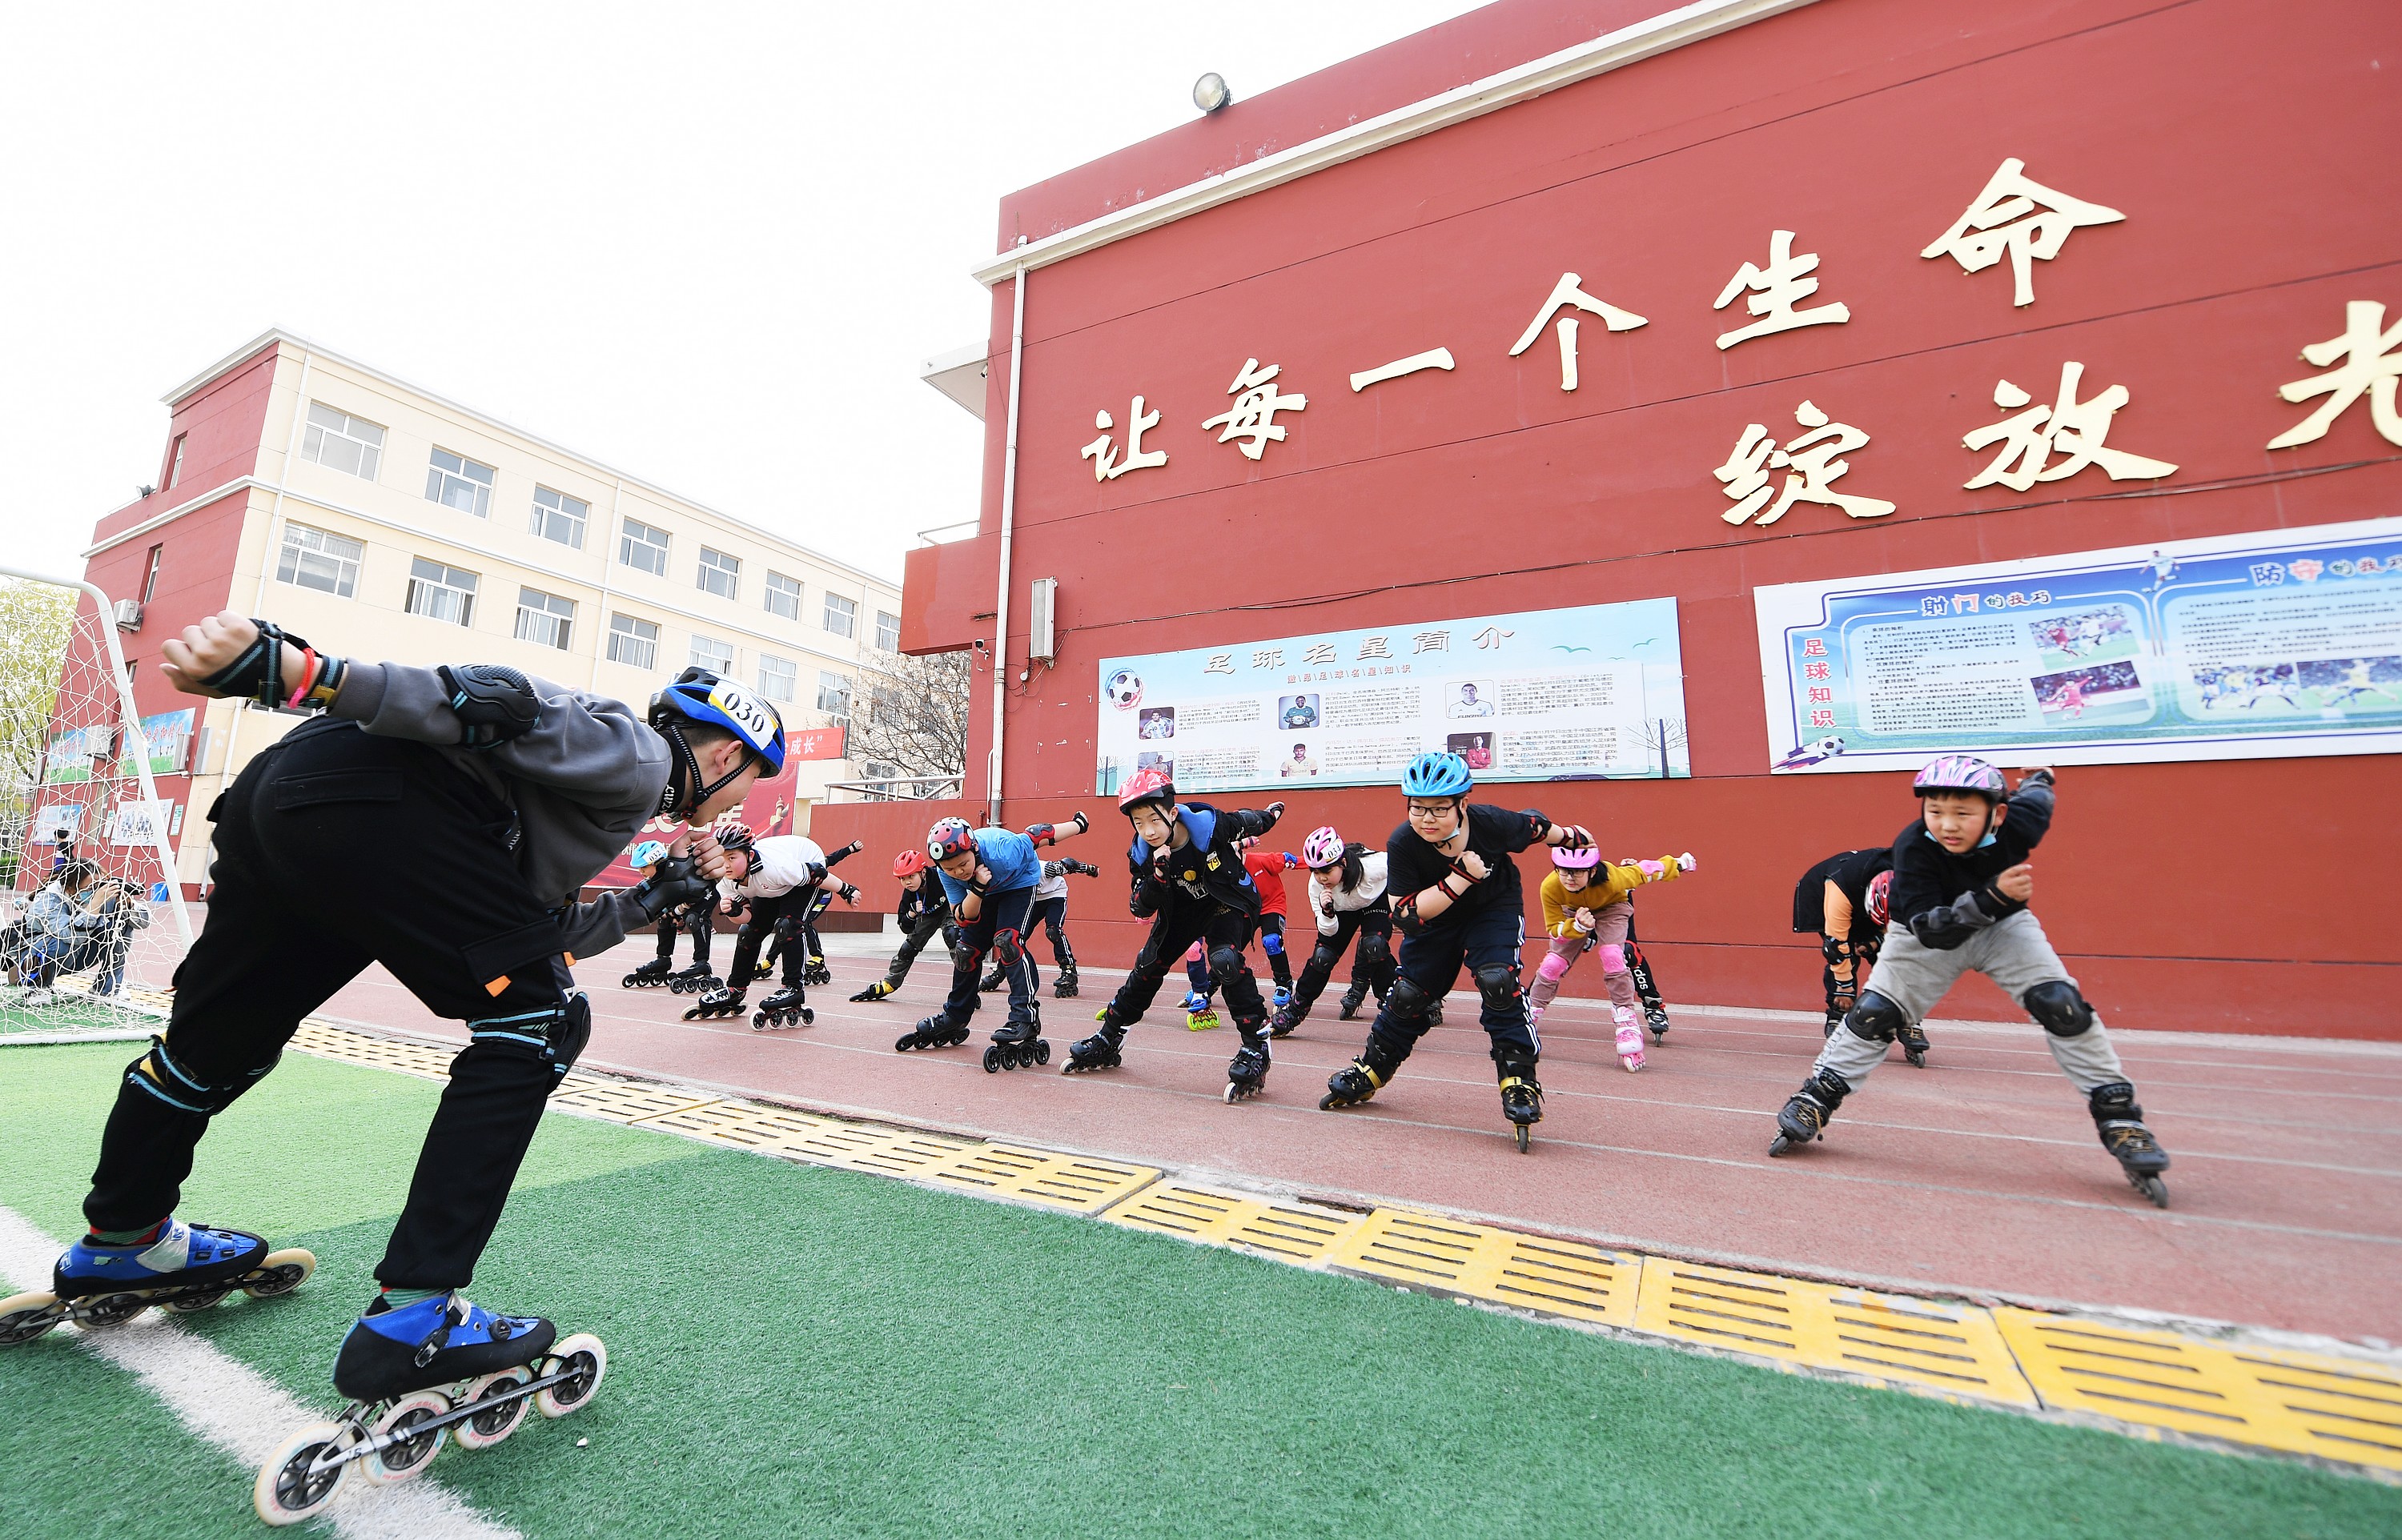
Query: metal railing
[[900, 788]]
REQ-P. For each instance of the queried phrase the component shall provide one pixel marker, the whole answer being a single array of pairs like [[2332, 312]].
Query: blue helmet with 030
[[700, 698]]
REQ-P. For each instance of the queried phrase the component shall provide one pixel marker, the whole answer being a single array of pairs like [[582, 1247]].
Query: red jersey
[[1266, 868]]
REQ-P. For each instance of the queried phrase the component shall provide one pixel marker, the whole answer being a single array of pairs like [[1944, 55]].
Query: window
[[455, 481], [150, 578], [559, 517], [544, 618], [784, 595], [175, 461], [313, 558], [778, 677], [643, 545], [441, 593], [344, 442], [888, 631], [634, 641], [841, 614], [833, 695], [710, 653], [720, 573]]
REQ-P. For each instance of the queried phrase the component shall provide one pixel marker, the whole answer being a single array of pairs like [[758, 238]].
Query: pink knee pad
[[1554, 966], [1613, 959]]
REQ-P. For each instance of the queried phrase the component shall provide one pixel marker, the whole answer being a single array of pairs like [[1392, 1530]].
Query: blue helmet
[[704, 698], [1435, 774], [645, 853]]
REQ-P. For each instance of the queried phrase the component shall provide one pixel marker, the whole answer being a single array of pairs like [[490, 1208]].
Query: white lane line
[[237, 1409]]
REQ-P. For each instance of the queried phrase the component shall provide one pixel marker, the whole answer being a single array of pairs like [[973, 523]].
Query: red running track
[[1978, 1174]]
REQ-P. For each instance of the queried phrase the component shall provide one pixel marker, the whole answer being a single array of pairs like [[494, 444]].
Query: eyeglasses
[[1418, 810]]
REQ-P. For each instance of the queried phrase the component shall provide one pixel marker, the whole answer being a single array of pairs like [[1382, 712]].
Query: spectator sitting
[[79, 922]]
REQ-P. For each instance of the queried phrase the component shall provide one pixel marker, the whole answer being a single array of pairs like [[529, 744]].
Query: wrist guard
[[257, 674], [493, 703], [674, 882], [1459, 869]]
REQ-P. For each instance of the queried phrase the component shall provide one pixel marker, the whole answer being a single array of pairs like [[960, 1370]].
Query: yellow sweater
[[1610, 884]]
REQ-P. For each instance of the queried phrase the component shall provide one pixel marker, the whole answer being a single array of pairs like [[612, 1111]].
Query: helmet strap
[[686, 795]]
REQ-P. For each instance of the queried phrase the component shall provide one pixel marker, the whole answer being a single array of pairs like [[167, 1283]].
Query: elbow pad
[[493, 703]]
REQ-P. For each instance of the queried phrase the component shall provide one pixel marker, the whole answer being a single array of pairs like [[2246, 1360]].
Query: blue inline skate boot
[[419, 1376], [180, 1267], [1199, 1014]]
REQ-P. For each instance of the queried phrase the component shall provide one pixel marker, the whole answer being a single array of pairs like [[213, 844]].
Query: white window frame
[[836, 688], [789, 591], [440, 480], [840, 607], [721, 566], [709, 653], [548, 621], [442, 579], [780, 679], [563, 511], [628, 543], [330, 427], [630, 634], [306, 543], [887, 624]]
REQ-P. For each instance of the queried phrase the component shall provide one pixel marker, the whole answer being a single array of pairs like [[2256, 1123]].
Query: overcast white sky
[[708, 245]]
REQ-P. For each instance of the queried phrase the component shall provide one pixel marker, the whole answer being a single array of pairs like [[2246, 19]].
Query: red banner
[[818, 743]]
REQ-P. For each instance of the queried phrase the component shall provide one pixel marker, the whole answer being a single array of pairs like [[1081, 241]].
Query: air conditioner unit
[[1042, 616], [128, 614]]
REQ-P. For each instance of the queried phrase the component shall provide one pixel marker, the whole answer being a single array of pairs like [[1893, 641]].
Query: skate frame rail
[[2209, 1384]]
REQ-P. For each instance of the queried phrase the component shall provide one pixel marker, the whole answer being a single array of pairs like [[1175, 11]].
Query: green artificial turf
[[798, 1351], [67, 1014]]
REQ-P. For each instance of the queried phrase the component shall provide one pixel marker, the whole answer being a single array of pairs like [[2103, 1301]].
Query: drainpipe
[[1008, 524]]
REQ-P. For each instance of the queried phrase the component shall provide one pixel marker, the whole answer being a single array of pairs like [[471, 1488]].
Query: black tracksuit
[[1200, 892]]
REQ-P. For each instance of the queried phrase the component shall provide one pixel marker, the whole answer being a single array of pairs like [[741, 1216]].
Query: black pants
[[1647, 989], [1432, 961], [1173, 930], [1278, 968], [998, 912], [1050, 913], [808, 923], [336, 849], [767, 914], [920, 935], [1371, 968], [695, 919]]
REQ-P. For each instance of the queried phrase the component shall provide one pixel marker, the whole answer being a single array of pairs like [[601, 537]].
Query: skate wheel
[[809, 1017], [585, 1363], [192, 1304], [1042, 1051], [1917, 1058], [992, 1060], [113, 1310], [290, 1486], [905, 1042], [2151, 1188], [759, 1022], [1525, 1136], [25, 1316], [283, 1271], [499, 1420], [1779, 1145], [406, 1457]]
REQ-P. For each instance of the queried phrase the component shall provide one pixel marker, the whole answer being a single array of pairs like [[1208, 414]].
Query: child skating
[[1347, 898], [990, 876], [440, 821], [1189, 880], [696, 918], [1961, 887], [804, 925], [775, 880], [924, 913], [1456, 902], [1050, 908], [1847, 899], [1588, 905]]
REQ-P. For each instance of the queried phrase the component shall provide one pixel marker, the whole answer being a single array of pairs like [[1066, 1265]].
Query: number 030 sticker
[[749, 714]]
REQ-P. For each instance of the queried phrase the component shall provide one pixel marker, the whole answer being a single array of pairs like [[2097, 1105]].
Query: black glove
[[674, 881], [1082, 869]]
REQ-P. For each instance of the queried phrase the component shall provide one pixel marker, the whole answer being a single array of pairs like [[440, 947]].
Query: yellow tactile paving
[[866, 1147], [1484, 1262], [2334, 1408], [1293, 1232], [623, 1101], [1063, 1181], [423, 1060], [1929, 1344]]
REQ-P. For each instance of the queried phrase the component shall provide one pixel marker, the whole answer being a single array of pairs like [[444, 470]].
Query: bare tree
[[1661, 735], [36, 622], [911, 714]]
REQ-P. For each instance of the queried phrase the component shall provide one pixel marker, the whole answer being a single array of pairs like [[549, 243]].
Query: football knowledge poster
[[2286, 642], [1583, 694]]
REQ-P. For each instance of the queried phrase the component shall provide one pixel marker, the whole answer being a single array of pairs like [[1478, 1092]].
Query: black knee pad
[[1148, 963], [1054, 926], [1224, 964], [157, 1073], [1875, 1018], [1408, 1001], [1323, 957], [1498, 983], [2058, 1008], [1008, 946], [1375, 951]]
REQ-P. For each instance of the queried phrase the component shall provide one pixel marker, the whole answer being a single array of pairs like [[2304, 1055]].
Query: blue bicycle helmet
[[702, 697], [645, 853], [1435, 774]]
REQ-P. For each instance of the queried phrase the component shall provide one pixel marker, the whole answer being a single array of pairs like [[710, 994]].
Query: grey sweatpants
[[2014, 953]]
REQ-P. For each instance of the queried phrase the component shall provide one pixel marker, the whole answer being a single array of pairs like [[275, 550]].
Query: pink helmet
[[1322, 850], [1962, 773], [1880, 898], [1566, 859]]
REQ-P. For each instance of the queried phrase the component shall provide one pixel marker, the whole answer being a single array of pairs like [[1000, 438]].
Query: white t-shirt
[[1326, 902], [779, 864]]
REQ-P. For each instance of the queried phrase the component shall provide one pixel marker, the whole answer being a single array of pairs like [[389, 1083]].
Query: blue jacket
[[1009, 854]]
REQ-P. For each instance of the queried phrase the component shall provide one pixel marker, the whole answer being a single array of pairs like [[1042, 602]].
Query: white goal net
[[91, 921]]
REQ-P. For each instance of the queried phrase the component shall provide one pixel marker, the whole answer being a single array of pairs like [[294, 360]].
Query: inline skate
[[2120, 1124], [1808, 1111], [696, 980], [1100, 1049], [1199, 1014], [874, 992], [1019, 1045], [1247, 1074], [1064, 986], [1522, 1097], [438, 1369], [815, 972], [992, 982], [1283, 1021], [717, 1002], [1913, 1038], [1353, 998], [783, 1009], [182, 1269], [651, 975], [1629, 1036], [935, 1031]]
